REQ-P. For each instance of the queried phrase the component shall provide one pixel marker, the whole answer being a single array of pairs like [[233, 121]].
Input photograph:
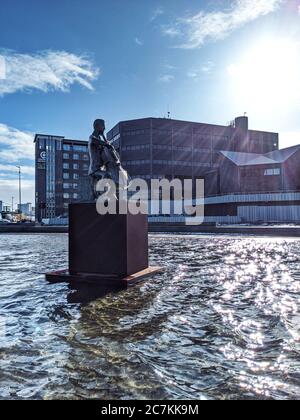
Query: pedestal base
[[114, 245], [64, 276]]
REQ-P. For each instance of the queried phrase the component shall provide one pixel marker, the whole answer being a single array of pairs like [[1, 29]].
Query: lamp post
[[20, 189]]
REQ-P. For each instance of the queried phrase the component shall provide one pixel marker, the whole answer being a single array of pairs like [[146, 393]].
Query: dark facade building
[[150, 148], [165, 148], [247, 178], [61, 164], [255, 188], [252, 173]]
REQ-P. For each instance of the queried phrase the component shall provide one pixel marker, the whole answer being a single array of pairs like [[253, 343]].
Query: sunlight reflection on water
[[223, 321]]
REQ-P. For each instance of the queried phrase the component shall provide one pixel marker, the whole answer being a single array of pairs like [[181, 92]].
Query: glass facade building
[[61, 164]]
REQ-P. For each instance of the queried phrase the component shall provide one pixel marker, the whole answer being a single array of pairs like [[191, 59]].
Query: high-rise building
[[26, 209], [1, 206], [60, 165]]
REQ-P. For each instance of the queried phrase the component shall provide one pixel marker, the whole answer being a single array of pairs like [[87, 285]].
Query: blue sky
[[65, 62]]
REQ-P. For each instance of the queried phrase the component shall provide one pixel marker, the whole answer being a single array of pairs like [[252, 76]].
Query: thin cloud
[[27, 170], [166, 78], [15, 145], [16, 148], [169, 67], [159, 11], [213, 26], [14, 183], [46, 71], [2, 68], [193, 74], [207, 68], [139, 42], [171, 31], [10, 188]]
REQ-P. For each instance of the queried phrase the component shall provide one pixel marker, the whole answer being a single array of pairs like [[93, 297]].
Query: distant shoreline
[[268, 231]]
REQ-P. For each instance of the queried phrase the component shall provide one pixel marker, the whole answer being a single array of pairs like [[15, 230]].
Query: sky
[[64, 63]]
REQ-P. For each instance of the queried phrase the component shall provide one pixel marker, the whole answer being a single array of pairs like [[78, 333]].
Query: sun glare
[[268, 75]]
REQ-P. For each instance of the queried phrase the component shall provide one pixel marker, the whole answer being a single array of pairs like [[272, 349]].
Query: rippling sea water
[[222, 322]]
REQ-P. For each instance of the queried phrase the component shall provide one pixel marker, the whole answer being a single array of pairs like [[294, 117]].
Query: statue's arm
[[100, 141]]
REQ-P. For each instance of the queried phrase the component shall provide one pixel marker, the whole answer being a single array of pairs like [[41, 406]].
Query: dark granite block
[[110, 245]]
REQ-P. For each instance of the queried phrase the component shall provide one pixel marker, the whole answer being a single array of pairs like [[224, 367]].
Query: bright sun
[[268, 75]]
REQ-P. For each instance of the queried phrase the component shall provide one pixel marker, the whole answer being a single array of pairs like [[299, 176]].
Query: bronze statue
[[104, 160]]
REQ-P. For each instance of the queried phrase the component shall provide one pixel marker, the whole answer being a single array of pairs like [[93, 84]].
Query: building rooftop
[[251, 159], [281, 156], [58, 137], [178, 121], [46, 135]]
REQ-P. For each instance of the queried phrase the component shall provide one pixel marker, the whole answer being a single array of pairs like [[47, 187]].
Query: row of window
[[66, 175], [181, 163], [165, 147], [75, 148], [75, 156], [134, 133], [171, 162], [257, 172], [271, 172], [136, 147], [181, 149], [162, 147], [196, 150], [149, 177], [68, 196], [201, 137], [75, 166], [166, 162], [197, 134], [136, 162], [45, 141], [67, 186], [116, 138], [161, 131], [170, 148]]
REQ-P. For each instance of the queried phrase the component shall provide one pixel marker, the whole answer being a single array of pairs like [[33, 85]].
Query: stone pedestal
[[110, 245], [110, 250]]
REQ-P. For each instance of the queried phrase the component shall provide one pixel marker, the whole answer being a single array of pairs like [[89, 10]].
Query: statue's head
[[99, 126]]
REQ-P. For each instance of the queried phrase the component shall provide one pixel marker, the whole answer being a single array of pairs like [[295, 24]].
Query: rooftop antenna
[[169, 113], [245, 114]]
